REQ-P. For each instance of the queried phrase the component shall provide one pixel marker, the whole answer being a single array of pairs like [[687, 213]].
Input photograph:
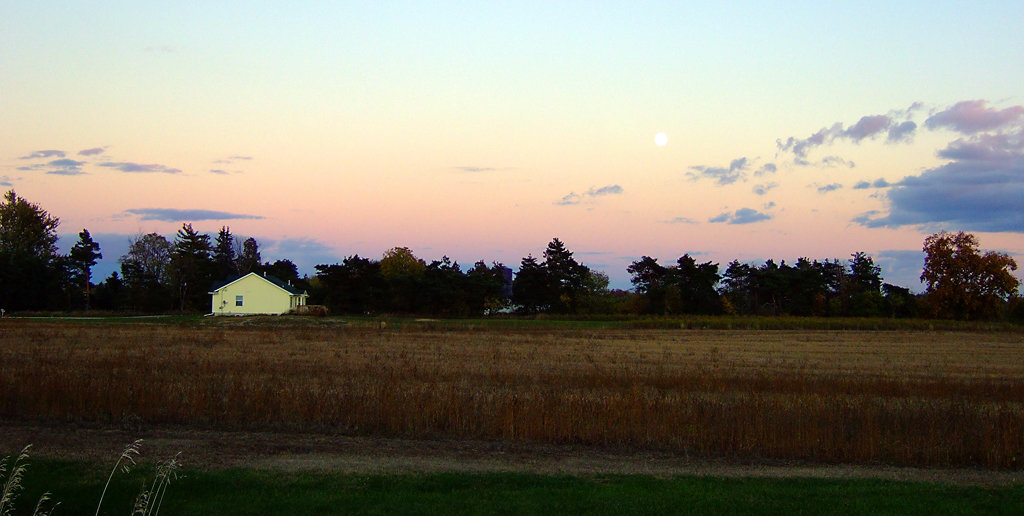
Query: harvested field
[[904, 398]]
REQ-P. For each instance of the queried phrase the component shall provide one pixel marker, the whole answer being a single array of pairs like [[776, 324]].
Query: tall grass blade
[[13, 484], [125, 461]]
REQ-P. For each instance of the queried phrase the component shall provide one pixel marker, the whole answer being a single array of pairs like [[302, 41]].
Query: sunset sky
[[480, 130]]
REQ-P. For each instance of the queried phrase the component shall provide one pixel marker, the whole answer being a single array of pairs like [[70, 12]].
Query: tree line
[[161, 275]]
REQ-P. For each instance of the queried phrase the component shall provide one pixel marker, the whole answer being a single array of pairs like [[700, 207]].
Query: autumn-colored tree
[[399, 261], [402, 272], [961, 282]]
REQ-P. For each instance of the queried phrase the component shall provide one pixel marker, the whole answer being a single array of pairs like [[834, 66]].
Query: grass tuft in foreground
[[147, 503]]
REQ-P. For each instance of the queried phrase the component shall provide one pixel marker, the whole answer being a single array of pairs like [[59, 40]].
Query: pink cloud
[[972, 116]]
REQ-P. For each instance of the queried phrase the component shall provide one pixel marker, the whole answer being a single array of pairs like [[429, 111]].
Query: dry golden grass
[[910, 398]]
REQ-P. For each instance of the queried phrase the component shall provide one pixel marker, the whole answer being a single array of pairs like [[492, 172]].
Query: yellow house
[[256, 294]]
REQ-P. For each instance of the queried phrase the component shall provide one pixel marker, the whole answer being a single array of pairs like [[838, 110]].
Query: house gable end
[[279, 284]]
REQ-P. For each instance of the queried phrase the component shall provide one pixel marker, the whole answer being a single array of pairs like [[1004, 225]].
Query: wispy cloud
[[836, 161], [6, 181], [605, 190], [231, 159], [570, 199], [736, 171], [867, 127], [140, 168], [59, 167], [65, 167], [763, 189], [92, 152], [878, 183], [575, 198], [476, 170], [891, 124], [902, 132], [681, 220], [42, 154], [176, 215], [741, 216], [972, 116], [822, 189]]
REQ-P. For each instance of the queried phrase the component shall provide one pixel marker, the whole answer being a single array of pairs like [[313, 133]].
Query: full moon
[[660, 139]]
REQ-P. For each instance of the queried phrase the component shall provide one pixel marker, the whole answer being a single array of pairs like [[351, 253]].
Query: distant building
[[254, 294]]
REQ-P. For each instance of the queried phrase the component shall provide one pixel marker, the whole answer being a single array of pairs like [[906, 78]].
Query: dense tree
[[28, 253], [144, 271], [353, 286], [566, 276], [898, 301], [442, 289], [489, 288], [83, 257], [824, 288], [402, 271], [596, 298], [738, 288], [224, 254], [192, 268], [694, 286], [649, 279], [687, 287], [284, 270], [963, 283], [248, 259], [110, 293], [863, 293], [400, 261], [531, 289]]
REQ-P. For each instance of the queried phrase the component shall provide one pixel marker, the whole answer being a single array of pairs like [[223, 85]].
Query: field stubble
[[917, 398]]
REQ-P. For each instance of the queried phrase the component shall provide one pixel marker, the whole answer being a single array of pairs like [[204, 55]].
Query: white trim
[[236, 280]]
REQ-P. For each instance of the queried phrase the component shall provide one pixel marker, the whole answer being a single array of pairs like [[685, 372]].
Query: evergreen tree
[[192, 267], [567, 277], [531, 290], [648, 278], [224, 254], [83, 256], [696, 285], [864, 287]]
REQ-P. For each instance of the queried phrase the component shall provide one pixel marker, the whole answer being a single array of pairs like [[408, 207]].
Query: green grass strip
[[77, 487]]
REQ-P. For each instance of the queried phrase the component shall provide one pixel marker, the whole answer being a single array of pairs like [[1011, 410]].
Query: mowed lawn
[[910, 398], [78, 486]]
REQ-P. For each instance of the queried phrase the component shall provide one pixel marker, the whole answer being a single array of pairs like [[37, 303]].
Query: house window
[[238, 300]]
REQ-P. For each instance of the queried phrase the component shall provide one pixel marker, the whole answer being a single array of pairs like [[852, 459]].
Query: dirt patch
[[210, 449]]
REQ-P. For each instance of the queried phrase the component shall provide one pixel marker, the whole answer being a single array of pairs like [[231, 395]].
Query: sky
[[482, 130]]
